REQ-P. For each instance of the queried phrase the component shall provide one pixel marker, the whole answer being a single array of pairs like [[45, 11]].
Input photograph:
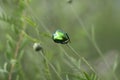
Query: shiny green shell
[[60, 37]]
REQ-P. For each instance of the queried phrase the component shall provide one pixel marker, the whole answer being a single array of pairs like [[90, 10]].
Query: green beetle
[[60, 37]]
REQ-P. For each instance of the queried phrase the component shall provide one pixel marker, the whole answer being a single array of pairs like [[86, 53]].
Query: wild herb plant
[[31, 54]]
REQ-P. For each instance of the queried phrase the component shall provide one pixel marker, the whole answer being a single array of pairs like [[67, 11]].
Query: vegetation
[[27, 49]]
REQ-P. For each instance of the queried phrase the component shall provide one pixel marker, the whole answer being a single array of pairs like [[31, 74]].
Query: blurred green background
[[93, 27]]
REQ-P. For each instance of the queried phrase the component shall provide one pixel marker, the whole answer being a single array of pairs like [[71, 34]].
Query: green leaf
[[14, 29], [94, 77], [30, 38], [4, 17], [78, 77], [9, 49], [13, 61], [10, 43], [115, 63], [87, 76], [20, 55], [24, 43], [5, 66], [17, 78], [67, 78], [4, 70], [33, 24]]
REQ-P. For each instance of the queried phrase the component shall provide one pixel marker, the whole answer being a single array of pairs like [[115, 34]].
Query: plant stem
[[15, 56], [93, 41], [81, 58], [51, 66], [47, 70]]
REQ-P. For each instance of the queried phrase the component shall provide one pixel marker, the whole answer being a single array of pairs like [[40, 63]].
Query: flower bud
[[37, 47]]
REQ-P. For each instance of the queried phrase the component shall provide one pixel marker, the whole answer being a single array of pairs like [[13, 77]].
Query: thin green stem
[[18, 44], [74, 51], [47, 70], [92, 40], [47, 30], [42, 54]]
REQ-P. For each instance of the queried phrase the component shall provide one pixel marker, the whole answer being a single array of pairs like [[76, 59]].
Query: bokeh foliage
[[93, 27]]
